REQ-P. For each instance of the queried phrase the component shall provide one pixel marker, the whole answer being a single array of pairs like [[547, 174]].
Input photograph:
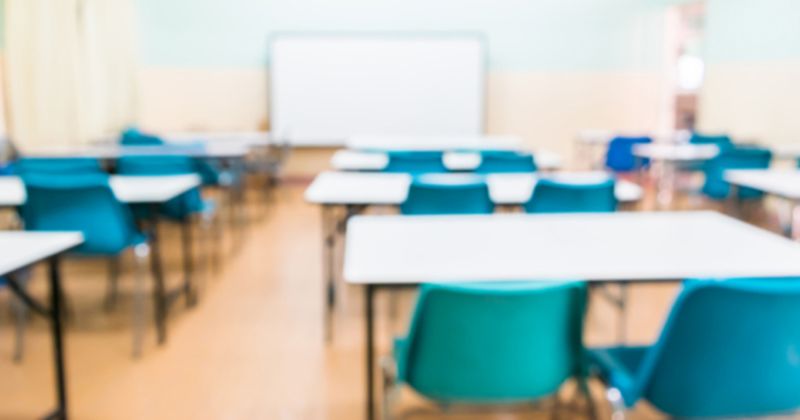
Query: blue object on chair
[[415, 162], [620, 157], [493, 342], [728, 349], [465, 194], [734, 158], [551, 196], [506, 161], [80, 202], [179, 208], [72, 165]]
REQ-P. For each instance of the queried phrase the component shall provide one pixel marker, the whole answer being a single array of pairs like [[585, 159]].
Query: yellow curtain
[[70, 70]]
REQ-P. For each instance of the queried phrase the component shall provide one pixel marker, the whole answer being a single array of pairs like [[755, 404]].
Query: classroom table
[[445, 143], [362, 160], [151, 190], [784, 184], [353, 191], [250, 139], [205, 150], [667, 157], [402, 251], [22, 249]]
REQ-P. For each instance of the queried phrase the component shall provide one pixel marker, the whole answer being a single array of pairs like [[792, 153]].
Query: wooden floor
[[253, 348]]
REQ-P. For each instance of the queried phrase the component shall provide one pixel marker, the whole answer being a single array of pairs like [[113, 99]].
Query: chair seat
[[620, 367]]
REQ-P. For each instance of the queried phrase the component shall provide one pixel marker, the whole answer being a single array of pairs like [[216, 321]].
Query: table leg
[[58, 344], [159, 291], [329, 244], [370, 349], [188, 263]]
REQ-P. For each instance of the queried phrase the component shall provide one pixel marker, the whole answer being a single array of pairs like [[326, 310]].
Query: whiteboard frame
[[478, 36]]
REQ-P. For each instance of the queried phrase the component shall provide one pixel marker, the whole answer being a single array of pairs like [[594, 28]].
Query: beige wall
[[753, 100], [547, 109]]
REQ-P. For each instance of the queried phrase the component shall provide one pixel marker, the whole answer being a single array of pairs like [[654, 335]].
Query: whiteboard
[[327, 88]]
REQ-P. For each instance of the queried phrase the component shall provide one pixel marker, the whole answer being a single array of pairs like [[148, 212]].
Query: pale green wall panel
[[753, 30]]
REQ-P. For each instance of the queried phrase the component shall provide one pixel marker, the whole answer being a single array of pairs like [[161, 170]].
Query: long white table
[[22, 249], [359, 160], [783, 184], [410, 142], [207, 150], [667, 157], [395, 251]]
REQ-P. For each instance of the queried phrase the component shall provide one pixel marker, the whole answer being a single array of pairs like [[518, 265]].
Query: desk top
[[128, 189], [364, 188], [629, 246], [245, 138], [21, 249], [387, 143], [210, 150], [781, 183], [354, 160], [676, 151]]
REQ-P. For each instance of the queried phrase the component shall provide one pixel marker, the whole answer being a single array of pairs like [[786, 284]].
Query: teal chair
[[715, 186], [723, 141], [728, 349], [86, 203], [551, 196], [57, 165], [456, 194], [415, 162], [506, 161], [134, 137], [490, 343], [620, 157]]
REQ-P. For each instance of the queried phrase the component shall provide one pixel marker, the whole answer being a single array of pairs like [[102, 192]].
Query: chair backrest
[[495, 342], [620, 158], [551, 196], [723, 141], [78, 202], [134, 137], [733, 158], [457, 195], [67, 165], [415, 162], [500, 161], [728, 349]]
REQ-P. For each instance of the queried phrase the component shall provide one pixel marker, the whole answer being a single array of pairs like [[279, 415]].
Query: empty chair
[[723, 141], [620, 157], [715, 186], [133, 137], [489, 343], [551, 196], [728, 349], [57, 165], [504, 161], [415, 162], [455, 194], [85, 203]]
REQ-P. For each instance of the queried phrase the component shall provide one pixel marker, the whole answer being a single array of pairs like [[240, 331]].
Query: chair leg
[[391, 389], [142, 254], [614, 398], [21, 312], [112, 293], [591, 410]]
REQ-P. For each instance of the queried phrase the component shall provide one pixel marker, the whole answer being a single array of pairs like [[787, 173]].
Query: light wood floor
[[252, 349]]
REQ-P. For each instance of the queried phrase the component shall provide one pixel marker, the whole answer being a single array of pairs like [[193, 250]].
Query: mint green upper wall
[[522, 34], [752, 30]]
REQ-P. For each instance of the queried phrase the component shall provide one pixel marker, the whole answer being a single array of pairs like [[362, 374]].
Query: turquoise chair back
[[179, 207], [723, 141], [490, 342], [728, 349], [550, 196], [79, 202], [620, 157], [426, 195], [65, 165], [415, 162], [134, 137], [734, 158], [506, 161]]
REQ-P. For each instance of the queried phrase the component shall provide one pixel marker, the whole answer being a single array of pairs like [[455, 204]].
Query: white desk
[[245, 138], [128, 189], [356, 160], [387, 143], [392, 251], [210, 150], [21, 249], [783, 184], [667, 157], [354, 188]]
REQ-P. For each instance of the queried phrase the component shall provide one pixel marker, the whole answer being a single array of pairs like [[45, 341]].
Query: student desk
[[363, 160], [397, 251], [153, 190], [784, 184], [447, 143], [22, 249], [354, 191], [669, 156]]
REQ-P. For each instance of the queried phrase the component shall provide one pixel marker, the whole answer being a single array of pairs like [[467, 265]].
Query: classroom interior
[[352, 209]]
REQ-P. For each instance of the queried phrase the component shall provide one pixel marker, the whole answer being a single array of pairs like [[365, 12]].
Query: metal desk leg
[[58, 344], [188, 263], [159, 292], [370, 349], [329, 245]]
